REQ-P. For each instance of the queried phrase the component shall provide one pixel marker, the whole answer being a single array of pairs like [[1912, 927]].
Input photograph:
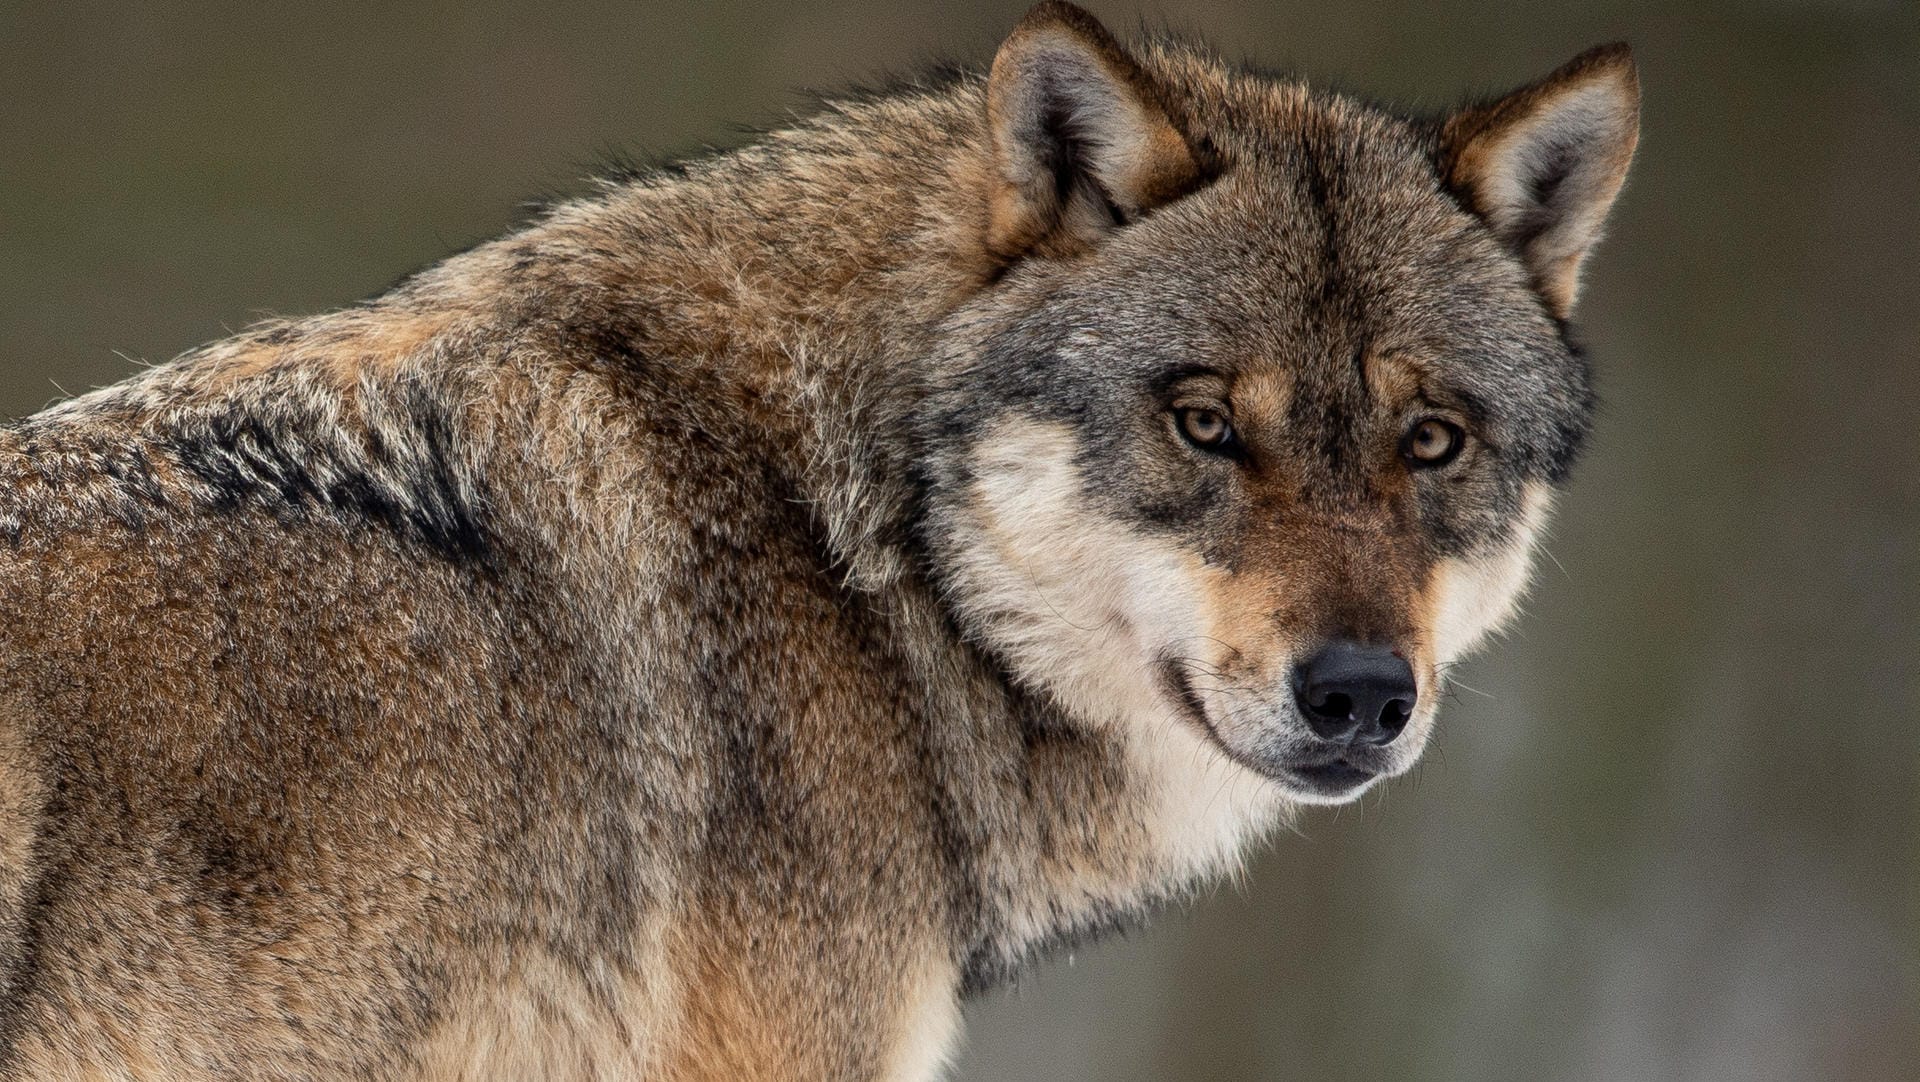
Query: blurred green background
[[1669, 834]]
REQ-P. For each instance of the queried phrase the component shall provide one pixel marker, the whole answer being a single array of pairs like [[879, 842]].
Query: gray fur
[[558, 667]]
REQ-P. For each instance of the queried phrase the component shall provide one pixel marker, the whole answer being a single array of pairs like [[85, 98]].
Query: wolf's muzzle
[[1355, 694]]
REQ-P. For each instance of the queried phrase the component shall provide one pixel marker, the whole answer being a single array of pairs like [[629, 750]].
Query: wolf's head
[[1254, 432]]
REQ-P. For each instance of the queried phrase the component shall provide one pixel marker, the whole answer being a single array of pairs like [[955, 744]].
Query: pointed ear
[[1081, 139], [1543, 164]]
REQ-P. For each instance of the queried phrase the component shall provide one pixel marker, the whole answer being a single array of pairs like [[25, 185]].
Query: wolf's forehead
[[1292, 133], [1328, 237], [1287, 278], [1323, 228]]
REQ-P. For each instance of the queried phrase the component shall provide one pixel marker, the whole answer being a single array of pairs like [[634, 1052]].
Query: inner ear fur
[[1542, 165], [1082, 140]]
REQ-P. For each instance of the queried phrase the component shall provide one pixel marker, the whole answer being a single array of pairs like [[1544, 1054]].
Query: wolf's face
[[1257, 461], [1285, 460]]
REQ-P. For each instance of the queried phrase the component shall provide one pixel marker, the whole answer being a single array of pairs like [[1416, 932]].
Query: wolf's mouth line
[[1180, 684], [1175, 676]]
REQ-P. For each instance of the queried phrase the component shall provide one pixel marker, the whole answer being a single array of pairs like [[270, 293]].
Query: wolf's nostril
[[1332, 705], [1352, 693], [1393, 718]]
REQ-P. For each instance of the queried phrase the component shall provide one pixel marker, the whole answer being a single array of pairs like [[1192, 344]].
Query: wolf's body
[[703, 634]]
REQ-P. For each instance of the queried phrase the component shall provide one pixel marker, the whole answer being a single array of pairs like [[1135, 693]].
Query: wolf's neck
[[828, 263], [805, 276], [1067, 830]]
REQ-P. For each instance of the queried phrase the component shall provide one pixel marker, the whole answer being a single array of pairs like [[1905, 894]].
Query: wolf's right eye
[[1432, 443], [1206, 429]]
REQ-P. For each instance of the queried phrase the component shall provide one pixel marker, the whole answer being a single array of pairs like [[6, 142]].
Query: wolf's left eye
[[1432, 443], [1206, 429]]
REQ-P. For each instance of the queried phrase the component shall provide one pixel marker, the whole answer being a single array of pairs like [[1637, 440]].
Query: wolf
[[709, 632]]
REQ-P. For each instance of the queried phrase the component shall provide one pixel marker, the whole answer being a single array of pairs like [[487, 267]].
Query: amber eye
[[1431, 443], [1206, 429]]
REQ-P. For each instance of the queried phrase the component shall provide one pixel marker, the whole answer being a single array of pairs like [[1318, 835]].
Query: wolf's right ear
[[1081, 138], [1543, 164]]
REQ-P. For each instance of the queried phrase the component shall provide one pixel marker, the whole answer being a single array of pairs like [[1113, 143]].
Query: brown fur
[[671, 641]]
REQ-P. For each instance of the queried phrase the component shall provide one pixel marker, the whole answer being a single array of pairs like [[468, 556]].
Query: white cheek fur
[[1084, 607], [1474, 598]]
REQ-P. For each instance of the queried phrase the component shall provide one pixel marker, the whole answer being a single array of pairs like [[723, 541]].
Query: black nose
[[1356, 694]]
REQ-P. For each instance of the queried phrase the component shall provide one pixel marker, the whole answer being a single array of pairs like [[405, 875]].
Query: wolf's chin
[[1335, 783]]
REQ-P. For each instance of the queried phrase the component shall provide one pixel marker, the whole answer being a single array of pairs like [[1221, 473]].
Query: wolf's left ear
[[1082, 140], [1543, 164]]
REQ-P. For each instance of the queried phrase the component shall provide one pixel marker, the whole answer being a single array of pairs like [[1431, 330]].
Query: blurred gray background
[[1669, 833]]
